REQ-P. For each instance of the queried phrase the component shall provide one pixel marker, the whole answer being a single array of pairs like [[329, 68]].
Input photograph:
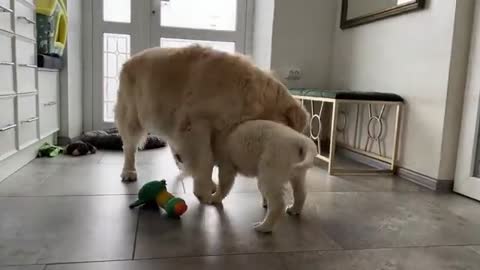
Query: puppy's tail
[[307, 151]]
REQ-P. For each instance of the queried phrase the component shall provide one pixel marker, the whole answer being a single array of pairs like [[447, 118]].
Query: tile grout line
[[248, 253], [136, 235], [185, 193]]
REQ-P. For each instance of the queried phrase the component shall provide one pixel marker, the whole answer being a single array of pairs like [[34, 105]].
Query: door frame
[[92, 50], [465, 182]]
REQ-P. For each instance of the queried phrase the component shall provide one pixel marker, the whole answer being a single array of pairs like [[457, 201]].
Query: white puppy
[[275, 154]]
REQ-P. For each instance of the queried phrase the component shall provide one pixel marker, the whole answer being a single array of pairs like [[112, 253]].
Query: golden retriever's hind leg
[[129, 172], [132, 136], [196, 152]]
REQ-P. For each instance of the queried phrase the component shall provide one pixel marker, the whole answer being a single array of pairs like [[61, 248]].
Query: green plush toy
[[156, 191], [49, 150]]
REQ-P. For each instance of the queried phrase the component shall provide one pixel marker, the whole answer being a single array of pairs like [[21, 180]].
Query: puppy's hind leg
[[297, 182], [226, 178], [272, 190]]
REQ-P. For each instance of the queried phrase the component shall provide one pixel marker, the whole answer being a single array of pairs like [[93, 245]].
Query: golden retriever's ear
[[274, 74], [297, 117]]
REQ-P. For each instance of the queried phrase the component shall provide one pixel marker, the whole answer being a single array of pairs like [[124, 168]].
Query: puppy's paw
[[262, 227], [292, 211], [214, 187], [215, 199], [129, 176]]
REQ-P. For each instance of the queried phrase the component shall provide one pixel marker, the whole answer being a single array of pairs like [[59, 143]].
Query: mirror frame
[[379, 15]]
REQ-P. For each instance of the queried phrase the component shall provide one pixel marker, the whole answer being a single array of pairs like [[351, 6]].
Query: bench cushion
[[344, 94]]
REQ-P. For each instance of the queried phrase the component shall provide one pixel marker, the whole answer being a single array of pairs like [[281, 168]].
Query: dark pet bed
[[110, 140]]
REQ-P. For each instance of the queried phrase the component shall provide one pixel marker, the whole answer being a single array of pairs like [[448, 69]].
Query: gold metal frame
[[371, 138]]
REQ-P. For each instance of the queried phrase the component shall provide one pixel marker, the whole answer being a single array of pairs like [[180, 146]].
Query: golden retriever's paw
[[292, 211], [129, 176], [264, 203], [262, 227], [202, 198]]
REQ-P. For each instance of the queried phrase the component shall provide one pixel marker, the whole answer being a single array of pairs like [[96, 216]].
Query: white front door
[[467, 176], [124, 27]]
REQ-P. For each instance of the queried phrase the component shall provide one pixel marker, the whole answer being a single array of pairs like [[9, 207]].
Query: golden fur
[[191, 97]]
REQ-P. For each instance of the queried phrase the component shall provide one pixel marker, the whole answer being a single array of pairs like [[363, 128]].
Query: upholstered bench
[[373, 131]]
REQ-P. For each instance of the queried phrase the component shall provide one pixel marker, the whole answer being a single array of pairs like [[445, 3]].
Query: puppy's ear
[[297, 117]]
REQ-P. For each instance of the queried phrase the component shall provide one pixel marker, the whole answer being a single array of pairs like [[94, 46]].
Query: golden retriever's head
[[296, 117]]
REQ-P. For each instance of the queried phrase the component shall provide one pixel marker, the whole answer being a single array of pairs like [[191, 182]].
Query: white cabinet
[[48, 91], [29, 97], [26, 78], [8, 127], [28, 120], [7, 65], [25, 20], [6, 14]]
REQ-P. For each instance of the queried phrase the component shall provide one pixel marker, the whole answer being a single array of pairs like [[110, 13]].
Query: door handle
[[7, 127], [5, 9], [29, 120], [25, 19]]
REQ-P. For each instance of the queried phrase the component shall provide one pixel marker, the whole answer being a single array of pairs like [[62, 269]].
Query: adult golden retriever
[[191, 97]]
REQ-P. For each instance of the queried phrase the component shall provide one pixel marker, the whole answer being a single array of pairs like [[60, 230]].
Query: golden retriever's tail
[[307, 151]]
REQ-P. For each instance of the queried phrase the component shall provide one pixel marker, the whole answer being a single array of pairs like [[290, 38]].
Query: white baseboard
[[21, 158], [438, 185]]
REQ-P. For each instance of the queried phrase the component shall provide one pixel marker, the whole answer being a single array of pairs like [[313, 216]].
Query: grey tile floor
[[72, 213]]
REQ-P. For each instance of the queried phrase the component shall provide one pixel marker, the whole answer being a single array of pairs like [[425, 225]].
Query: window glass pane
[[116, 50], [217, 45], [116, 10], [199, 14]]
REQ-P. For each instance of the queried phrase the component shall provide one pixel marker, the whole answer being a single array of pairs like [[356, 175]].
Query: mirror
[[358, 12]]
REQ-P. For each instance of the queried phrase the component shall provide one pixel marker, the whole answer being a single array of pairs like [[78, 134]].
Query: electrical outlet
[[294, 74]]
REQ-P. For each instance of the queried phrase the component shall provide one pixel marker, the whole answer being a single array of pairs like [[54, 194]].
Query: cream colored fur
[[276, 155], [193, 97]]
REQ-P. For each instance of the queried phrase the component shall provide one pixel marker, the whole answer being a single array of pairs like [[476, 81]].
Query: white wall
[[71, 124], [262, 33], [411, 55], [302, 38]]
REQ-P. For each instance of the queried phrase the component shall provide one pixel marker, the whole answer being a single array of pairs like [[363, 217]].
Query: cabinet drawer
[[48, 117], [25, 52], [7, 127], [6, 14], [25, 20], [26, 78], [6, 78], [27, 116], [31, 2], [27, 107], [48, 85], [6, 47]]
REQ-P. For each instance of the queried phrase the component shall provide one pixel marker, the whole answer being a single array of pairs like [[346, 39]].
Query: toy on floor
[[49, 150], [80, 148], [156, 191], [110, 139]]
